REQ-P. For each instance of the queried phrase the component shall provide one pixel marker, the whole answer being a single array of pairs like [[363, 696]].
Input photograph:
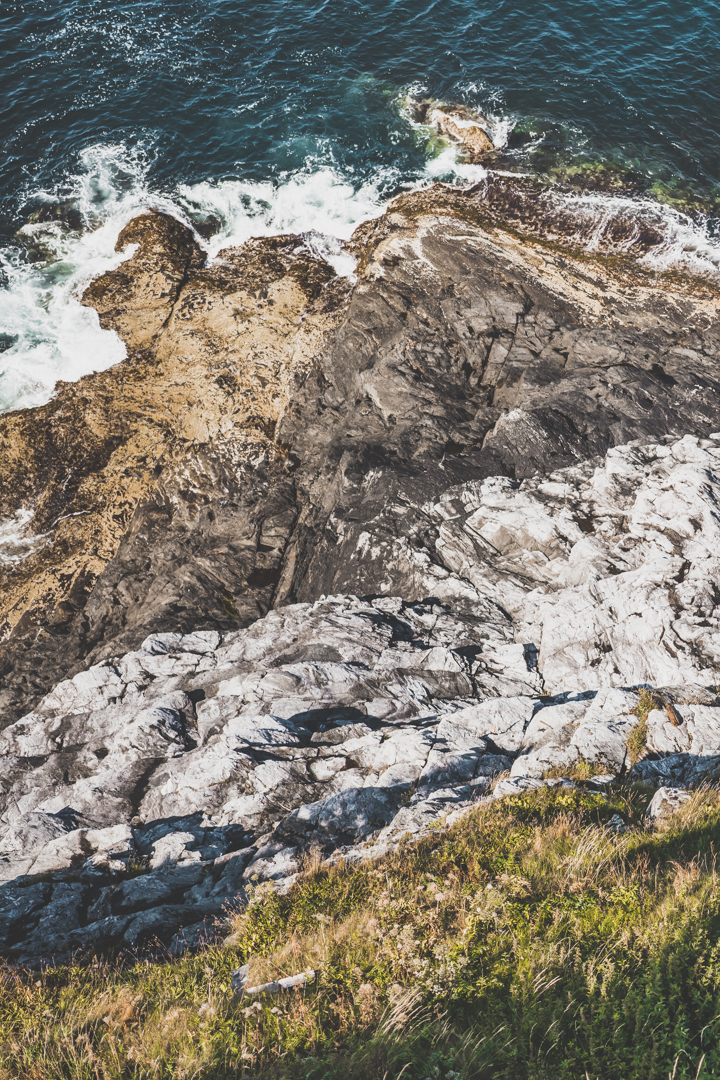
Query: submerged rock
[[46, 228], [67, 212]]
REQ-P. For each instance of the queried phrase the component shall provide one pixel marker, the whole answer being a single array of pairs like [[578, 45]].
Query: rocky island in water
[[328, 565]]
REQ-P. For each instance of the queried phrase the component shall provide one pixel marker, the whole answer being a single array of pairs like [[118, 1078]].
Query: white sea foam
[[323, 205], [447, 166], [685, 244], [16, 540], [500, 128], [55, 337]]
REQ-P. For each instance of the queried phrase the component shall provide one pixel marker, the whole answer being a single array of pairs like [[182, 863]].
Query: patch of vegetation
[[636, 741], [528, 942], [647, 701], [579, 770]]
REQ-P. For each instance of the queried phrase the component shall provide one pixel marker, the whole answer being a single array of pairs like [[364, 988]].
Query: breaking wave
[[662, 237], [46, 332]]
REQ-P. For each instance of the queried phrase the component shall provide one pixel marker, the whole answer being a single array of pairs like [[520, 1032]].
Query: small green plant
[[636, 741], [136, 866], [647, 701], [580, 770]]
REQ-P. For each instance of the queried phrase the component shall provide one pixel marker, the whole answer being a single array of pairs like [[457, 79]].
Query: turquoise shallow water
[[253, 118]]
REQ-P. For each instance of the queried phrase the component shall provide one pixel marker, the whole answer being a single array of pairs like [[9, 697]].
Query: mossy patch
[[581, 770]]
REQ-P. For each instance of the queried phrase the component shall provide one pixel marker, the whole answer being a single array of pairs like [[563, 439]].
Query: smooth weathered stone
[[18, 905], [62, 913], [115, 842], [173, 848], [156, 923], [31, 832], [516, 784], [665, 802], [500, 721], [677, 770]]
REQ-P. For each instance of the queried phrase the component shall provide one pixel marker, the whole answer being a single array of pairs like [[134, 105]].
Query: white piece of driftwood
[[239, 978]]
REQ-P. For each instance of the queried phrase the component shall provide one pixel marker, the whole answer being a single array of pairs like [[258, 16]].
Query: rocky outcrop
[[148, 796], [458, 123], [322, 562], [609, 568], [269, 413], [177, 441]]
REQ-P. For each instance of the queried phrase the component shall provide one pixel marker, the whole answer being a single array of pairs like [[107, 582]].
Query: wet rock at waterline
[[459, 123]]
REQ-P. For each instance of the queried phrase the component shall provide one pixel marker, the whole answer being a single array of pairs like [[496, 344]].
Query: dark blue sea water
[[250, 118]]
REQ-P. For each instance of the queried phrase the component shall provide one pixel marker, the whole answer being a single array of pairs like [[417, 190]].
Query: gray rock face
[[150, 792], [607, 569], [665, 802], [460, 360], [207, 764]]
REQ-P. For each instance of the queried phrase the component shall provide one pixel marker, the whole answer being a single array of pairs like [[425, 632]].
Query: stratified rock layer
[[170, 455]]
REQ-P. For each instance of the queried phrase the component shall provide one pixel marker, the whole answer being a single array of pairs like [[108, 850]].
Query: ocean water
[[249, 119]]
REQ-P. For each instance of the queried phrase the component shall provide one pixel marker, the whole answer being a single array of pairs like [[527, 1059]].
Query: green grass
[[525, 942], [580, 770]]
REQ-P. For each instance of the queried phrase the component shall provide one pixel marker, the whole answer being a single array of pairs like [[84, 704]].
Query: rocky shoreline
[[322, 560]]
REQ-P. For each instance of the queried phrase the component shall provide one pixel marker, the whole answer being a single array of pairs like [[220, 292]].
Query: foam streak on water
[[684, 245], [16, 540]]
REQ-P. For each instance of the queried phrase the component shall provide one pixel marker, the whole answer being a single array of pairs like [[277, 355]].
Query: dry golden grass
[[302, 952]]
